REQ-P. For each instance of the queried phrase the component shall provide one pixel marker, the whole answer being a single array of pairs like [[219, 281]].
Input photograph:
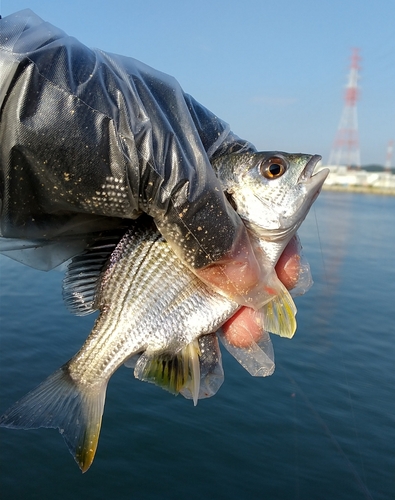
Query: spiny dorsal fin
[[84, 271]]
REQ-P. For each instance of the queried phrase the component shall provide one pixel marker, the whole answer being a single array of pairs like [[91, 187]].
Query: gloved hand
[[89, 139], [245, 327]]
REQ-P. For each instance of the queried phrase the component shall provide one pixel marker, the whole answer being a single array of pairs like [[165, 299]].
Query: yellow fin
[[86, 448], [279, 313], [172, 372], [210, 365], [60, 403]]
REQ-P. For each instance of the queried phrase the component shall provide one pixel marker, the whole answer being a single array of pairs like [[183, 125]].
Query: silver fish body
[[150, 303], [155, 311]]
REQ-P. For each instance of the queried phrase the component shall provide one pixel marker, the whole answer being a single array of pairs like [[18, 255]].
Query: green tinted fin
[[172, 372], [59, 403], [210, 364], [279, 313]]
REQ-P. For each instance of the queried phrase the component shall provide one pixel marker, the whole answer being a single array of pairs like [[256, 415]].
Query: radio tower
[[345, 150]]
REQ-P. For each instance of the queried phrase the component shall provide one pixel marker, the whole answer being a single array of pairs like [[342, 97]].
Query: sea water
[[321, 427]]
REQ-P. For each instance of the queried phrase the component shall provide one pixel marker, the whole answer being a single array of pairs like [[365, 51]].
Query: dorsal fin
[[84, 271]]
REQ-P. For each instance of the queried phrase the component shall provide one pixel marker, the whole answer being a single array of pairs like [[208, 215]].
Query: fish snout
[[308, 170]]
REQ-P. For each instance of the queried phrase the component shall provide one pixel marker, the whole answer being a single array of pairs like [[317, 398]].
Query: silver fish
[[154, 310]]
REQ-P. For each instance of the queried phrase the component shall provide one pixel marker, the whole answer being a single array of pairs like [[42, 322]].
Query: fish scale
[[156, 316], [198, 307]]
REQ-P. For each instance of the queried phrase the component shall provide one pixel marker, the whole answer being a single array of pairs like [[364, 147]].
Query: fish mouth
[[313, 182]]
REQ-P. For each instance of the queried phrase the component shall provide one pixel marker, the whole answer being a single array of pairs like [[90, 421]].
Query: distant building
[[344, 178]]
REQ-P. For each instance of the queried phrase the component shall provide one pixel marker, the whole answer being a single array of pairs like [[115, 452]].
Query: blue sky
[[274, 70]]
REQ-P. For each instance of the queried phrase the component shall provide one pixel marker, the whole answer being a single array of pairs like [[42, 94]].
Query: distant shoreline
[[359, 189]]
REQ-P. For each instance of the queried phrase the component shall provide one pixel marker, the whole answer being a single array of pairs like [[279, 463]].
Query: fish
[[157, 316]]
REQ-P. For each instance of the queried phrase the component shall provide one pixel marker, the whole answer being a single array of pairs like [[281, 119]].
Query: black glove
[[88, 139]]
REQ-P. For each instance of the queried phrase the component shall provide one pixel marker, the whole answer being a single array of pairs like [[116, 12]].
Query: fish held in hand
[[158, 316]]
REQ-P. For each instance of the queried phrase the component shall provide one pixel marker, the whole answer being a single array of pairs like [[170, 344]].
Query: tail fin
[[60, 403]]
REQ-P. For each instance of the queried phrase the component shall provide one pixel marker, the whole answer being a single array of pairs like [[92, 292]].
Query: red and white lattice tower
[[345, 150]]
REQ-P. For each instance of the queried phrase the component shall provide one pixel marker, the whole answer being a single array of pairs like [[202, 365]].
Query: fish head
[[272, 191]]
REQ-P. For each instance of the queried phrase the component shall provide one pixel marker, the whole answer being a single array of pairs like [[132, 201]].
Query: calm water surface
[[322, 427]]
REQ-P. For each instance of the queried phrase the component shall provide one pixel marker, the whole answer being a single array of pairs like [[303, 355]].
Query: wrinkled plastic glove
[[247, 325], [90, 139]]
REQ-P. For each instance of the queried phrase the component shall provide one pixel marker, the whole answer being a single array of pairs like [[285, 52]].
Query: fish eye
[[273, 168]]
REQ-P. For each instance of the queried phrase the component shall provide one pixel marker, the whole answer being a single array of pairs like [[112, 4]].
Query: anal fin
[[211, 371], [172, 372]]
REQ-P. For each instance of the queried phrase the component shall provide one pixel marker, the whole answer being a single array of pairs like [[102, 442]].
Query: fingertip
[[237, 273], [288, 265], [244, 328]]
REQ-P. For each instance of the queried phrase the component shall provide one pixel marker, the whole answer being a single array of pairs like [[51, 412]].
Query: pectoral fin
[[279, 313]]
